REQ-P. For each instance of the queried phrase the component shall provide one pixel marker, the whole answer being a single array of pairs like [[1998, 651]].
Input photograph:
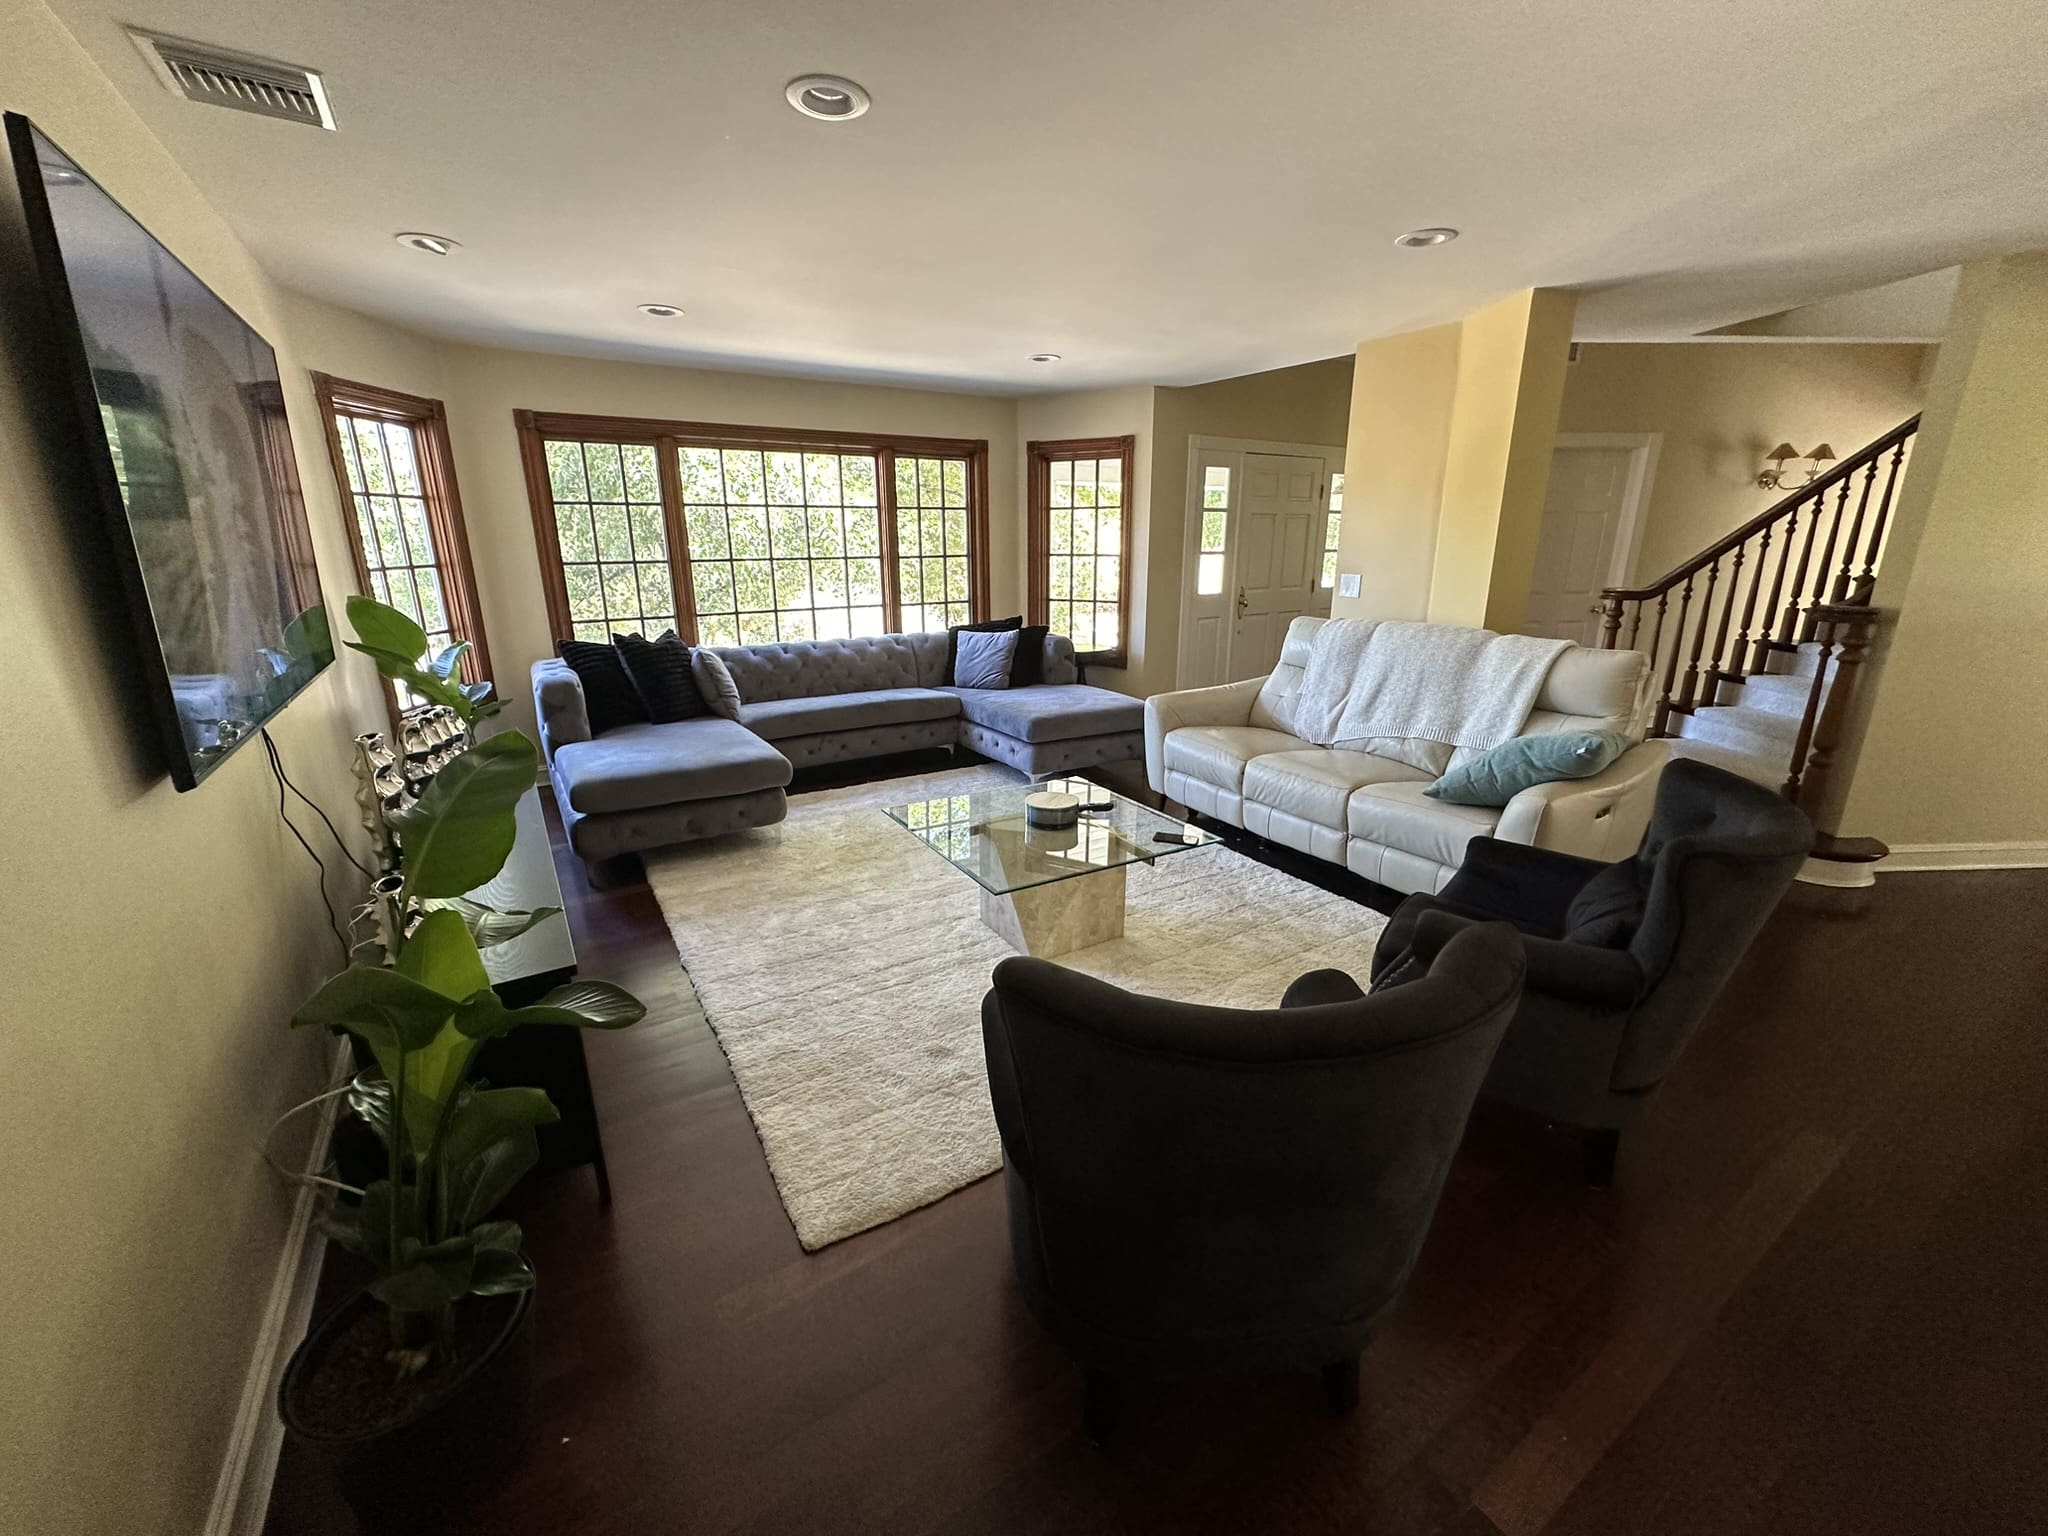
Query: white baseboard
[[1909, 858], [241, 1495]]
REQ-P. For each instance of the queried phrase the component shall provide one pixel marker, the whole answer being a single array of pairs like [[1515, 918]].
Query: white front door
[[1584, 510], [1279, 556]]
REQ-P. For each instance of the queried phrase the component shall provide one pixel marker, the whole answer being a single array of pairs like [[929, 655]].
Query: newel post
[[1610, 622], [1846, 632]]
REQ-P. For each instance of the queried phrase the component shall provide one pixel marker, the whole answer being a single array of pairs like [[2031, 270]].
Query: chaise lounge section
[[806, 704]]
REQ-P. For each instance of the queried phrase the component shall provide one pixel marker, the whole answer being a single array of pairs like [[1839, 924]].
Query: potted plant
[[419, 1384]]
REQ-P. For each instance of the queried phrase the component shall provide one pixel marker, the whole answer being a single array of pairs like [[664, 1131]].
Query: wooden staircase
[[1755, 642]]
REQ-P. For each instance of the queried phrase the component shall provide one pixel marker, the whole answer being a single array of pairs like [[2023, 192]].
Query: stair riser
[[1769, 694], [1708, 725]]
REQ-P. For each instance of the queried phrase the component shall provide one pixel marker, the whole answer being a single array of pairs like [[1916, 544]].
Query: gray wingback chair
[[1194, 1188], [1624, 959]]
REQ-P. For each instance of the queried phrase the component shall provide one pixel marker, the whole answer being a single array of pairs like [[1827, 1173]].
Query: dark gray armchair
[[1196, 1188], [1624, 959]]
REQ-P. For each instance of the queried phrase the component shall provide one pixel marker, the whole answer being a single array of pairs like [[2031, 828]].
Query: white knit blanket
[[1433, 682]]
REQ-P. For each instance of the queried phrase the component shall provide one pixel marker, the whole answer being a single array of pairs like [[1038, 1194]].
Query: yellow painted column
[[1503, 429], [1401, 392]]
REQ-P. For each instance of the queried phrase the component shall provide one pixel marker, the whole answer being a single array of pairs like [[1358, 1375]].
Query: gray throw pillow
[[1496, 777], [714, 681], [984, 658]]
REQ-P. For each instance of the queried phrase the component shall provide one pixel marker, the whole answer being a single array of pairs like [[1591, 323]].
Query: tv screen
[[192, 456]]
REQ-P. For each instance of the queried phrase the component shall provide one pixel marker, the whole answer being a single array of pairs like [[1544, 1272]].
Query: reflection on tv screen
[[222, 575]]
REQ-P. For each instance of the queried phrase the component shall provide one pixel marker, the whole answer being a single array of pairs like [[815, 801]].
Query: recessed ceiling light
[[1045, 357], [433, 245], [1422, 239], [662, 311], [830, 98]]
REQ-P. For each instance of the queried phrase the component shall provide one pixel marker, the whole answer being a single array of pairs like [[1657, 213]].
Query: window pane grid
[[390, 507], [611, 537], [932, 555], [784, 544], [1084, 584]]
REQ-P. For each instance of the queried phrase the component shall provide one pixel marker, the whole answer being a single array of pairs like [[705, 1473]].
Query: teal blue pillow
[[1496, 777]]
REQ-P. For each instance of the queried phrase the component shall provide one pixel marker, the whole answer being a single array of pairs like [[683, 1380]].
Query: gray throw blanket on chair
[[1433, 682]]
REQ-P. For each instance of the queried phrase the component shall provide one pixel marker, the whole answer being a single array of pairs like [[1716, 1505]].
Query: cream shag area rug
[[842, 964]]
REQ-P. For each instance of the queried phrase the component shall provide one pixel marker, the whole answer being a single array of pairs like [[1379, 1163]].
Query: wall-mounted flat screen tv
[[184, 423]]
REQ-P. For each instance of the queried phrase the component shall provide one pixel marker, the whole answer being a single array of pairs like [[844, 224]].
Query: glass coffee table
[[1048, 891]]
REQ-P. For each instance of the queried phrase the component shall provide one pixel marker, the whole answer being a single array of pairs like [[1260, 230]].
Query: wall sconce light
[[1774, 476]]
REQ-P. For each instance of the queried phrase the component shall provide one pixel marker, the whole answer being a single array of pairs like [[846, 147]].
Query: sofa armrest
[[1602, 817], [558, 706], [1230, 704], [1318, 989], [1530, 887], [1580, 973]]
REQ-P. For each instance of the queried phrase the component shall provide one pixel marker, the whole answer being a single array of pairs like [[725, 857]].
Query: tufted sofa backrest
[[809, 669]]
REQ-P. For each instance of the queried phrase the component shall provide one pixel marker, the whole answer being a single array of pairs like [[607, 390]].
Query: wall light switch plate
[[1347, 584]]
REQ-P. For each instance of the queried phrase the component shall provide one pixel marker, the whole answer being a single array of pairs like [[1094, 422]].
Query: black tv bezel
[[185, 773]]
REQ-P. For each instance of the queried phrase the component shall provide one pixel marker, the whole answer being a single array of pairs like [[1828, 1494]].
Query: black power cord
[[283, 783]]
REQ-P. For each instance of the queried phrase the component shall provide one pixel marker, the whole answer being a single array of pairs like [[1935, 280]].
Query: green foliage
[[454, 1149]]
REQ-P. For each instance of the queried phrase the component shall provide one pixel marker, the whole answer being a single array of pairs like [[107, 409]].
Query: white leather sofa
[[1229, 753]]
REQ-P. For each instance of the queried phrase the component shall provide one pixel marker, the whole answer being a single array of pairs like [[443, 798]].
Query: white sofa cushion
[[1316, 783], [1401, 816], [1217, 754]]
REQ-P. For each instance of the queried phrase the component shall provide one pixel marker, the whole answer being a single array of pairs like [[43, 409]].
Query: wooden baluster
[[1763, 639], [1742, 665], [1635, 624], [1657, 630], [1865, 583], [1848, 551], [1671, 660], [1610, 622], [1822, 726], [1794, 594], [1718, 666], [1699, 640]]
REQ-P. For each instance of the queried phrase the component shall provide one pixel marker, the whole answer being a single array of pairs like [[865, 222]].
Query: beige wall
[[1103, 413], [1309, 404], [1956, 749], [486, 385], [1721, 406], [1511, 363], [153, 943], [1397, 437]]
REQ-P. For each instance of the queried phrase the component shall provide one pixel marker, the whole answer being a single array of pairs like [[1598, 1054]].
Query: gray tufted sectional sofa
[[805, 704]]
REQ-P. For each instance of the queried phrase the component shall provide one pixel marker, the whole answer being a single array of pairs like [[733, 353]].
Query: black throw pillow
[[995, 626], [660, 673], [608, 694], [1028, 665]]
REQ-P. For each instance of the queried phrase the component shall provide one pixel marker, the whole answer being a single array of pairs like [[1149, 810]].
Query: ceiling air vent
[[221, 77]]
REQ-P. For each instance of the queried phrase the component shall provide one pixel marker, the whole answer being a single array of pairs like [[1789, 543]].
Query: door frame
[[1201, 446], [1635, 499]]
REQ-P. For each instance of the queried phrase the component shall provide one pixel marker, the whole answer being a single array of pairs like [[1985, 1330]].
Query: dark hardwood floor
[[1815, 1300]]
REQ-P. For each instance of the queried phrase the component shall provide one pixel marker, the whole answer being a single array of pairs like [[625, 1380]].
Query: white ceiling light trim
[[1423, 239], [1045, 357], [829, 98], [661, 311], [433, 245]]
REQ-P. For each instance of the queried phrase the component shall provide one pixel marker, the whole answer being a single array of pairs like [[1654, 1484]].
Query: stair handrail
[[1817, 487]]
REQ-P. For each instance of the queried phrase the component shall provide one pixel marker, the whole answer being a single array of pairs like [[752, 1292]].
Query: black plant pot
[[403, 1476]]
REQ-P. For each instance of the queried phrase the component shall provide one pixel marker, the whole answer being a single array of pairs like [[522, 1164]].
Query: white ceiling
[[1164, 191]]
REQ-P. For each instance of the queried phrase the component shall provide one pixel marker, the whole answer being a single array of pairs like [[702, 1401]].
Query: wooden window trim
[[1039, 459], [536, 427], [428, 420]]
